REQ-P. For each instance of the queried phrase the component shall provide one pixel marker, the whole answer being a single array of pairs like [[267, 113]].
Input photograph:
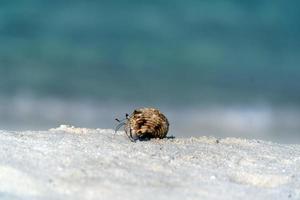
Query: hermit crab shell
[[145, 123]]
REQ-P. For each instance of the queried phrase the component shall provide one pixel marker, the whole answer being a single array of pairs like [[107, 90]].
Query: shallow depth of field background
[[215, 68]]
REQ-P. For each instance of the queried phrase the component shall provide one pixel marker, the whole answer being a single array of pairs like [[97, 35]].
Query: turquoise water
[[171, 52]]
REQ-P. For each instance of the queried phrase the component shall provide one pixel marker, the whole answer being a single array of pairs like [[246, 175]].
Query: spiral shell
[[145, 123]]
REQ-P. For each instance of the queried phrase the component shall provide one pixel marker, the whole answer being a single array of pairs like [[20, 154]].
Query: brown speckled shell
[[147, 123]]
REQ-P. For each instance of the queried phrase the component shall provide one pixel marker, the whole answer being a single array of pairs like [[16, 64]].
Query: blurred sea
[[220, 68]]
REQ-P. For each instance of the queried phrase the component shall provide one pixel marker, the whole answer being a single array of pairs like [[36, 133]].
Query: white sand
[[78, 163]]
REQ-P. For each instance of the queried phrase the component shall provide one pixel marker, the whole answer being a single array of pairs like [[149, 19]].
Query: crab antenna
[[122, 120], [119, 126]]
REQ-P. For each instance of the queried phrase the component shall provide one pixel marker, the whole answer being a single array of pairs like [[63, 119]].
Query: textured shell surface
[[147, 123]]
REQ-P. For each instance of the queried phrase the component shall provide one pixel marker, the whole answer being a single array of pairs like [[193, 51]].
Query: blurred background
[[215, 68]]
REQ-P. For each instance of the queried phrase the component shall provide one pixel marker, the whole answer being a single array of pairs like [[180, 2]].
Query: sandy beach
[[80, 163]]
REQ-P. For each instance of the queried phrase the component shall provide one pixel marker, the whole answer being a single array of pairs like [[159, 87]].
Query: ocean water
[[210, 65]]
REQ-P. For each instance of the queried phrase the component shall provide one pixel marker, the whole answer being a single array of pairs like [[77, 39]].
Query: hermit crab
[[144, 123]]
